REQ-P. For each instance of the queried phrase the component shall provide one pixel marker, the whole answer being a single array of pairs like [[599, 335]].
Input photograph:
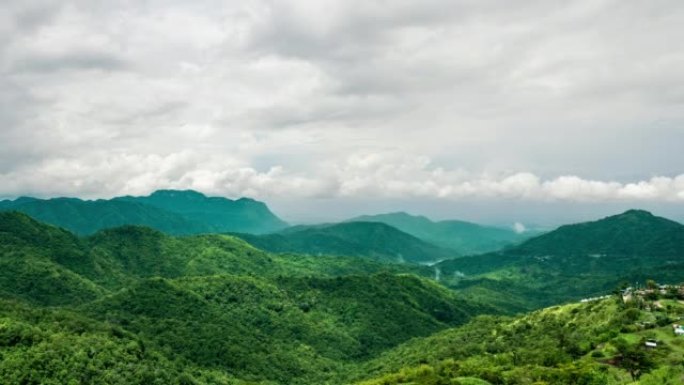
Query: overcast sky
[[486, 110]]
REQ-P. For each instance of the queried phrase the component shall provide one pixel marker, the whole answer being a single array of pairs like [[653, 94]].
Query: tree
[[634, 358]]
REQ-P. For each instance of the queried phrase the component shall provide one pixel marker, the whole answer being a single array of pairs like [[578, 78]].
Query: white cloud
[[360, 176], [537, 101], [519, 228]]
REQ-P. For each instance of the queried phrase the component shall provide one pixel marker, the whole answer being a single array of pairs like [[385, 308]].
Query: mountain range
[[134, 305], [171, 211], [377, 241], [209, 301], [462, 237]]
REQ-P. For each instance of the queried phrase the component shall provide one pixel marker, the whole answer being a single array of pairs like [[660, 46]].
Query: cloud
[[519, 228], [361, 176], [538, 101]]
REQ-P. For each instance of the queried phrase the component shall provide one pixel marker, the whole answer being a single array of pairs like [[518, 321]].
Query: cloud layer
[[359, 176], [577, 101]]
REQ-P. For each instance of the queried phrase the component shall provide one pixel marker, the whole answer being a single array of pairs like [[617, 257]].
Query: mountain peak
[[634, 232], [638, 213], [187, 194]]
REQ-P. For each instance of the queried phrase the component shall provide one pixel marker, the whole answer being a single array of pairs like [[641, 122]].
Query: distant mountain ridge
[[377, 241], [218, 213], [460, 236], [634, 232], [170, 211], [580, 259]]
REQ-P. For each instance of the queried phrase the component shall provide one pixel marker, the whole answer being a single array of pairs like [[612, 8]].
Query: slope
[[35, 260], [205, 308], [599, 342], [87, 217], [217, 213], [57, 346], [579, 260], [170, 211], [460, 236], [294, 330], [376, 241]]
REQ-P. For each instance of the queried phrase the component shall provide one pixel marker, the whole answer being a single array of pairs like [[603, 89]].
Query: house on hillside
[[678, 329], [651, 344]]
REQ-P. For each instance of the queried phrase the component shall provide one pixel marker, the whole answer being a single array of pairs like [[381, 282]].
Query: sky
[[538, 111]]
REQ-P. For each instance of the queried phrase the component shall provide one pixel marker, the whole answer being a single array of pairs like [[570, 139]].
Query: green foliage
[[464, 238], [210, 302], [578, 261], [217, 213], [634, 358], [293, 330], [87, 217], [376, 241], [173, 212], [57, 347], [634, 233], [573, 344], [132, 305]]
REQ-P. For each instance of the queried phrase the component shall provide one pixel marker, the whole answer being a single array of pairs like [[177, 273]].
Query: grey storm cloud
[[535, 101]]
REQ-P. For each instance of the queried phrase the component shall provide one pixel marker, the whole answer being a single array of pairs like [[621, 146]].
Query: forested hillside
[[217, 213], [170, 211], [599, 342], [576, 261], [462, 237], [376, 241], [203, 308], [132, 305]]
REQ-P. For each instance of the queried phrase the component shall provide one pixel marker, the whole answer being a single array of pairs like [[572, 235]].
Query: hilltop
[[462, 237], [579, 260], [219, 214], [632, 233], [170, 211], [376, 241]]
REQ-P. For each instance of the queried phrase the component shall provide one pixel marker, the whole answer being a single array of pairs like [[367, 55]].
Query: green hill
[[59, 346], [599, 342], [635, 233], [132, 305], [39, 259], [578, 260], [87, 217], [35, 260], [218, 214], [462, 237], [376, 241], [173, 212], [205, 307], [292, 330]]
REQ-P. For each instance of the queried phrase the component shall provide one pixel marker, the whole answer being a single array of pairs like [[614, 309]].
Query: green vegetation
[[464, 238], [576, 261], [173, 212], [376, 241], [599, 342], [57, 347], [133, 305], [219, 214], [206, 304]]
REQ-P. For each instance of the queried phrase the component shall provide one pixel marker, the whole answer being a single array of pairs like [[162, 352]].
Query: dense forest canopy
[[134, 305]]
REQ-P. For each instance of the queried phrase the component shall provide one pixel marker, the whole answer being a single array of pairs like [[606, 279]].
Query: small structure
[[678, 329], [652, 344]]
